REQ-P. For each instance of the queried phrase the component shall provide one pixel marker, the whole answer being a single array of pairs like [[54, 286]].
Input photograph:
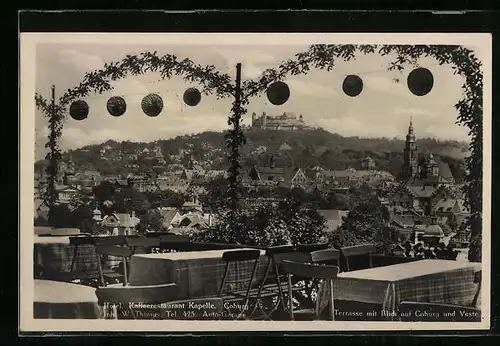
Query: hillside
[[305, 148]]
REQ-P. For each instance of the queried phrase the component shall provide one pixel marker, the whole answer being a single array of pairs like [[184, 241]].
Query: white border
[[28, 41]]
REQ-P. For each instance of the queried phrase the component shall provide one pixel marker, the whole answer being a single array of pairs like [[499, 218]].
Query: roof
[[424, 191], [444, 170], [269, 170], [445, 204], [404, 220], [168, 215], [289, 173], [434, 231]]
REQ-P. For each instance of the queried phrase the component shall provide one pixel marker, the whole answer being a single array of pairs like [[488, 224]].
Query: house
[[169, 215], [266, 175], [192, 220], [333, 218], [398, 250], [419, 198], [120, 223]]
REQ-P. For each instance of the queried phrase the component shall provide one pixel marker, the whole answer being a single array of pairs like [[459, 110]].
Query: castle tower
[[410, 163], [264, 119], [254, 117]]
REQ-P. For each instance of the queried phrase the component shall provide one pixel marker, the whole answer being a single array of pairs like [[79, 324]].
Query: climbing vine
[[470, 107]]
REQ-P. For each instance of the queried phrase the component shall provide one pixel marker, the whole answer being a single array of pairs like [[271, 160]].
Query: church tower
[[410, 165]]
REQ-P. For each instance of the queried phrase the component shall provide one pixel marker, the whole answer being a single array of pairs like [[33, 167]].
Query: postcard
[[255, 182]]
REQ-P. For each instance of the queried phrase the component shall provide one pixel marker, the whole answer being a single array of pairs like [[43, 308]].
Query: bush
[[267, 224]]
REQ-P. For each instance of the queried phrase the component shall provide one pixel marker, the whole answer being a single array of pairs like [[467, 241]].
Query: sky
[[383, 109]]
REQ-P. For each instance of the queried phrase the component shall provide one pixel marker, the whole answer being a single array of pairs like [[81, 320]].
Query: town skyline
[[385, 103]]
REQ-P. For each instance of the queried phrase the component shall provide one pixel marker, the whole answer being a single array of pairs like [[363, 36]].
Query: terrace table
[[62, 300], [54, 255], [431, 281], [198, 273]]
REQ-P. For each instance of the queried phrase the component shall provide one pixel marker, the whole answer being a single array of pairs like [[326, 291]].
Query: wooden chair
[[122, 252], [308, 248], [236, 257], [142, 243], [101, 272], [329, 256], [313, 271], [157, 234], [357, 251], [272, 286], [477, 280]]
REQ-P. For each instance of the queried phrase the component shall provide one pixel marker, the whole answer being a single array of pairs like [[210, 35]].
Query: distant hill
[[307, 149]]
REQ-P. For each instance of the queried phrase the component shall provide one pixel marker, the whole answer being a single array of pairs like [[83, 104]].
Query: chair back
[[142, 242], [157, 234], [174, 242], [117, 251], [313, 271], [309, 270], [273, 250], [311, 247], [356, 251], [110, 240], [240, 255], [242, 276], [477, 280], [291, 256], [153, 294], [81, 240], [329, 256]]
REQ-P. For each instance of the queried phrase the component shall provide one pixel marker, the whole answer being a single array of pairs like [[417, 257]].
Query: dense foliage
[[267, 224]]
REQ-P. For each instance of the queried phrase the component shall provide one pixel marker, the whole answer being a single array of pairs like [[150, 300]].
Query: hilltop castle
[[286, 122]]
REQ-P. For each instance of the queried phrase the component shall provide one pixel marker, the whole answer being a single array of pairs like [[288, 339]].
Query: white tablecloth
[[61, 300]]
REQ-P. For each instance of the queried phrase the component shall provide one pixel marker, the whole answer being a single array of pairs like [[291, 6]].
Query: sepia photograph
[[255, 182]]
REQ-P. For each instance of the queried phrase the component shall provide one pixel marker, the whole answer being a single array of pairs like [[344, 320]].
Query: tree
[[152, 221], [366, 223], [60, 216], [105, 191], [217, 194], [267, 224], [79, 215], [129, 199]]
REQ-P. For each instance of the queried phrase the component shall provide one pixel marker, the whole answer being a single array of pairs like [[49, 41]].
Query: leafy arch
[[470, 107], [212, 82]]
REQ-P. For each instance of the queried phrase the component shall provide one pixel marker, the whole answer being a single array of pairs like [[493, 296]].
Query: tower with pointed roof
[[410, 160]]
